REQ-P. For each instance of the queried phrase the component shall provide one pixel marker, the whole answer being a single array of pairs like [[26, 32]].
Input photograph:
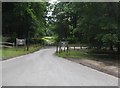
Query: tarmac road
[[43, 68]]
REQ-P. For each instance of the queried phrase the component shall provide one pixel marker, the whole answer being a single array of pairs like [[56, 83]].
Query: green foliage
[[110, 38], [19, 18], [94, 24], [91, 23], [7, 53]]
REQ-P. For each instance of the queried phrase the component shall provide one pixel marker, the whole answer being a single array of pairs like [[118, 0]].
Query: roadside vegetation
[[14, 52], [90, 54], [101, 60], [94, 25], [29, 23]]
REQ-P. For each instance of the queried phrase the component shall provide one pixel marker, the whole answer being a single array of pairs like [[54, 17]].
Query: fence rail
[[7, 44]]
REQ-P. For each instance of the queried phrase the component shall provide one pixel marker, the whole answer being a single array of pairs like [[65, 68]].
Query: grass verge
[[7, 53], [89, 54], [100, 60]]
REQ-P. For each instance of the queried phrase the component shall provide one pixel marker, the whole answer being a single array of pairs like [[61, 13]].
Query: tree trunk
[[111, 47], [118, 48]]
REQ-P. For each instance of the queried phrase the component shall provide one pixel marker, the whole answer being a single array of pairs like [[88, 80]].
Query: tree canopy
[[91, 23], [19, 18], [94, 24]]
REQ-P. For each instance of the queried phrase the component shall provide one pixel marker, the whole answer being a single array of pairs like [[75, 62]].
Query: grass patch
[[13, 52], [73, 54], [88, 54]]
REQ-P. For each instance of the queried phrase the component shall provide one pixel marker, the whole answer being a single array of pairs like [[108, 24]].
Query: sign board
[[64, 43], [20, 41]]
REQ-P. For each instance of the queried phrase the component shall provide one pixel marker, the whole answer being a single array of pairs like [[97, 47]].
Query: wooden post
[[118, 48], [67, 49], [64, 49], [16, 44], [60, 48], [57, 48], [74, 47], [80, 46], [28, 41], [24, 44]]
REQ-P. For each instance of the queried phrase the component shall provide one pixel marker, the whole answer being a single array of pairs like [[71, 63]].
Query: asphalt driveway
[[43, 68]]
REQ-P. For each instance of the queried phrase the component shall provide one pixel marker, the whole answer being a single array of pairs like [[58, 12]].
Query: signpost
[[20, 42], [61, 44]]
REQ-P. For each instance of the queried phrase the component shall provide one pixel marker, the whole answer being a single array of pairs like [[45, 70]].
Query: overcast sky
[[51, 2]]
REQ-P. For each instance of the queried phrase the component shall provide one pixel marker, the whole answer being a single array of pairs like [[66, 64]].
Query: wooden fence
[[6, 44]]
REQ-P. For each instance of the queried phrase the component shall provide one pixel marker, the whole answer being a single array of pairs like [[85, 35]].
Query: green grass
[[73, 54], [13, 52], [87, 54]]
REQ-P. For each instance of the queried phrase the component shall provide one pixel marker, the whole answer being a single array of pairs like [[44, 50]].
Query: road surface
[[43, 68]]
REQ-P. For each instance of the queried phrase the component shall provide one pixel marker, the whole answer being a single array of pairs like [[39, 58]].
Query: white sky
[[51, 2]]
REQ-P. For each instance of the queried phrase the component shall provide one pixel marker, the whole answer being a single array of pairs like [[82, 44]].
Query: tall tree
[[94, 24], [19, 18]]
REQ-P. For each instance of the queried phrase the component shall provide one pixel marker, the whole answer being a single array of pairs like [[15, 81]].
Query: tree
[[94, 24], [19, 18]]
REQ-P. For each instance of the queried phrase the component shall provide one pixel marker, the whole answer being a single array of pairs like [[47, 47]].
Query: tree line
[[91, 23], [23, 19], [94, 24]]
